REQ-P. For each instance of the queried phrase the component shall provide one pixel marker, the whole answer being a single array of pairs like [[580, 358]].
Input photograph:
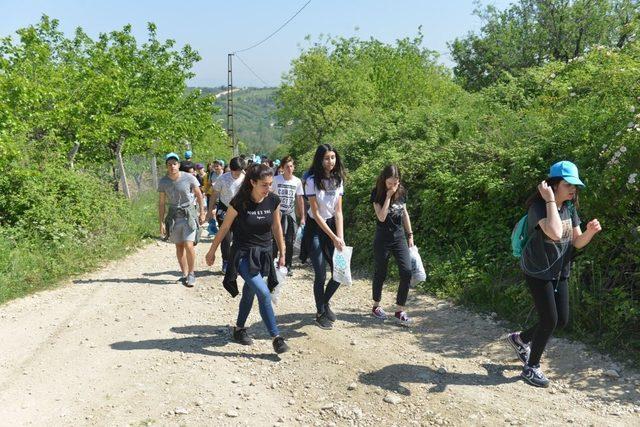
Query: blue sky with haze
[[215, 28]]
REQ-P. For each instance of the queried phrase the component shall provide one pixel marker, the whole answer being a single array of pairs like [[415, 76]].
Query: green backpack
[[520, 236]]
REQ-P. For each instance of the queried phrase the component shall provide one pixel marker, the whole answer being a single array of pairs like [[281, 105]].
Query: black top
[[542, 257], [252, 226], [393, 222]]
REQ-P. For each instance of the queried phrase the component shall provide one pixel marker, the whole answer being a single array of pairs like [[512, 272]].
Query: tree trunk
[[120, 163], [72, 153], [154, 171]]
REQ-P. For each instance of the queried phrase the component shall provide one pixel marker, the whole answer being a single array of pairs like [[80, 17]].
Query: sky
[[215, 28]]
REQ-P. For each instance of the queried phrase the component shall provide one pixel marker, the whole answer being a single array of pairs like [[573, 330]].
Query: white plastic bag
[[297, 243], [342, 265], [281, 275], [417, 269]]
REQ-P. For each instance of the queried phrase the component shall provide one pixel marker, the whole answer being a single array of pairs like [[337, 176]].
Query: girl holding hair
[[324, 231], [554, 230], [389, 203], [254, 217]]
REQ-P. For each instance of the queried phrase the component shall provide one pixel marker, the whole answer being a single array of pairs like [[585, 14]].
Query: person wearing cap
[[554, 230], [181, 223]]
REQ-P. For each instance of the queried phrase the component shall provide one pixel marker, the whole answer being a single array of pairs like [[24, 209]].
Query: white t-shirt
[[287, 190], [327, 199], [227, 186]]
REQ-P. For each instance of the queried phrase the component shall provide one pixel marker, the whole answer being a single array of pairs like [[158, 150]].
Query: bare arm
[[339, 220], [276, 229], [552, 224], [161, 206], [300, 208], [580, 239], [222, 233], [213, 203], [382, 211], [200, 200], [406, 222]]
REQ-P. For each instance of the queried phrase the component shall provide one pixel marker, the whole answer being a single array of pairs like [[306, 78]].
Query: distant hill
[[255, 123]]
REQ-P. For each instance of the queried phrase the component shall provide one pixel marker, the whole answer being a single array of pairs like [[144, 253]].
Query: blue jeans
[[319, 262], [255, 286]]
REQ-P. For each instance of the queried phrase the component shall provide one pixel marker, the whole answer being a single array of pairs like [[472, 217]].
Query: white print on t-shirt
[[287, 190]]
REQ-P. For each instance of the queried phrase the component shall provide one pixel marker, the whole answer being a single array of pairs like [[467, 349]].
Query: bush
[[471, 160], [59, 222]]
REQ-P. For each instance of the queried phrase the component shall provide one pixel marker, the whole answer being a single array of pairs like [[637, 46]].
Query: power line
[[250, 69], [276, 31]]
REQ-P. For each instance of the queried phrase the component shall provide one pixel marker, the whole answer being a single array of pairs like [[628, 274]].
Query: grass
[[28, 264]]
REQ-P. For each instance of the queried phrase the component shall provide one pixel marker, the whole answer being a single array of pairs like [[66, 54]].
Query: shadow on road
[[391, 377], [202, 338]]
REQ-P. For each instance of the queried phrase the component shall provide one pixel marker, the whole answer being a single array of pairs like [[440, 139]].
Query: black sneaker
[[522, 350], [534, 376], [329, 313], [183, 280], [241, 337], [323, 322], [279, 346]]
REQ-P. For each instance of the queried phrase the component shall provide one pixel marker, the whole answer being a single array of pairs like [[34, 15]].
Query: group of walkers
[[259, 208]]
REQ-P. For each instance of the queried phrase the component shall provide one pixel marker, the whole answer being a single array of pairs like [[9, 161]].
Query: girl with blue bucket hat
[[553, 230]]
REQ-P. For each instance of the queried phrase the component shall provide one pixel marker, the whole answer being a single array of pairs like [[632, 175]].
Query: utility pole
[[233, 143]]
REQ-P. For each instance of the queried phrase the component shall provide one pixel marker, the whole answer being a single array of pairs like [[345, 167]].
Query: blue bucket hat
[[188, 154], [171, 156], [567, 171]]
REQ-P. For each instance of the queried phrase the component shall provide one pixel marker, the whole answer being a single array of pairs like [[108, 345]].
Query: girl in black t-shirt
[[389, 203], [553, 230], [254, 218]]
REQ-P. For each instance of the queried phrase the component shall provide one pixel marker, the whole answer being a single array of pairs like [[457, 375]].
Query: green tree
[[532, 32]]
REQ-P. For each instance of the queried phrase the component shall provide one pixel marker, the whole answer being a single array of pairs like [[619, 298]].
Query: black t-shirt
[[393, 222], [252, 226], [542, 257]]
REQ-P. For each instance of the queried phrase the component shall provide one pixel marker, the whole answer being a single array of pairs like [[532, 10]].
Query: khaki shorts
[[180, 232]]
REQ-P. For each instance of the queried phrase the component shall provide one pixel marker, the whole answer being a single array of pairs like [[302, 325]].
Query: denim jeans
[[319, 260], [255, 286]]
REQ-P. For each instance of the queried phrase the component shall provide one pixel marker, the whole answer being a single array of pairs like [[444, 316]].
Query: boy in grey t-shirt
[[177, 190]]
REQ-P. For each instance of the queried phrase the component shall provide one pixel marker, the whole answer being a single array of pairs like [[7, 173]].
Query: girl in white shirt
[[324, 230]]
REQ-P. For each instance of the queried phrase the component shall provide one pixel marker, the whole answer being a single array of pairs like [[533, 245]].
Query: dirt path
[[128, 345]]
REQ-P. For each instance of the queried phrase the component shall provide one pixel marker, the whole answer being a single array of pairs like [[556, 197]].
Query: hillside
[[254, 117]]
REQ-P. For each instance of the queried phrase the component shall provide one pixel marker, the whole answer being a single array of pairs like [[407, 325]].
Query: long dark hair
[[254, 172], [553, 183], [390, 171], [317, 170]]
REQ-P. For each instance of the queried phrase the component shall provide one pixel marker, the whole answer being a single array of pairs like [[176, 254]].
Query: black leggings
[[384, 245], [289, 231], [553, 312]]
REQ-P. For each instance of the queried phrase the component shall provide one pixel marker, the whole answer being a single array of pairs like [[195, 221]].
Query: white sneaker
[[402, 318], [379, 313], [191, 280]]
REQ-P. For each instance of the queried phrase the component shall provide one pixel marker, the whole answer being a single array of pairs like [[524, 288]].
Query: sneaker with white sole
[[323, 322], [191, 280], [379, 313], [522, 350], [402, 318], [534, 376]]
